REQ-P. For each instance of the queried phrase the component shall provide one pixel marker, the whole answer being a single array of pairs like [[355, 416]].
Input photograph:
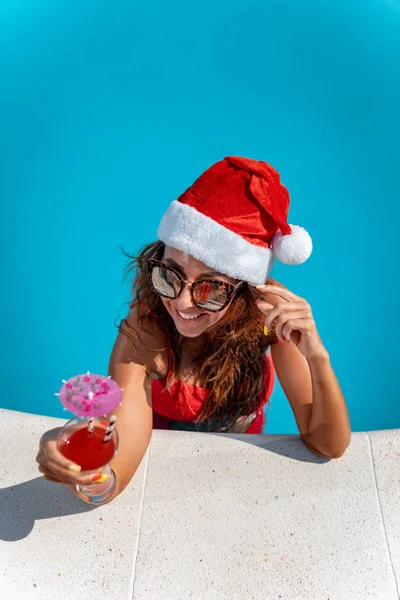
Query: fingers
[[264, 306], [52, 472], [287, 321], [282, 307], [47, 474], [304, 325], [284, 314], [71, 477], [62, 468], [49, 449], [55, 467], [278, 291]]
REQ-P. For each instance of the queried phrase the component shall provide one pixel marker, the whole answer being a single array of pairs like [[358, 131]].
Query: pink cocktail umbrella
[[90, 395]]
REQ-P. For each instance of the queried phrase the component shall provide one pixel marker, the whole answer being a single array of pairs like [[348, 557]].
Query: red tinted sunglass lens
[[204, 292], [210, 296]]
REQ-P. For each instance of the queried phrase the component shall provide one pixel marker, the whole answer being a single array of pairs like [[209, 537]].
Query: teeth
[[187, 316]]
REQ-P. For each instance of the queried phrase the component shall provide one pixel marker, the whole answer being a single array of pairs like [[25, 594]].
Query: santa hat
[[234, 219]]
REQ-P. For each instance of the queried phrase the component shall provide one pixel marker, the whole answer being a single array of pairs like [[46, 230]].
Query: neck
[[194, 345]]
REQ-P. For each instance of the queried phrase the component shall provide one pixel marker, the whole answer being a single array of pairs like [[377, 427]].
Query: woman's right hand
[[55, 467]]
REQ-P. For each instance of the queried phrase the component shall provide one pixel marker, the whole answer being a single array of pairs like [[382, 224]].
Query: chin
[[190, 334], [190, 331]]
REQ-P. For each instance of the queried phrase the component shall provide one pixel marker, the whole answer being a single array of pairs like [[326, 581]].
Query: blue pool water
[[109, 110]]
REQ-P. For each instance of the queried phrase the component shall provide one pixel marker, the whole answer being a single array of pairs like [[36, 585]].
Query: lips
[[189, 318]]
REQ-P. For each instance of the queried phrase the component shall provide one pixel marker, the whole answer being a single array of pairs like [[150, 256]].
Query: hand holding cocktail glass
[[86, 445]]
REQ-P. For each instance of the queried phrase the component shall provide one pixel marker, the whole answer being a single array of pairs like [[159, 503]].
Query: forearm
[[329, 429]]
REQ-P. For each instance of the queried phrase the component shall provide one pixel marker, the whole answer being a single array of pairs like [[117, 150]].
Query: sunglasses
[[211, 295]]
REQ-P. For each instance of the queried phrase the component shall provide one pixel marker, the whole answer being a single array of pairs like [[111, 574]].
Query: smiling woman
[[206, 328], [192, 352]]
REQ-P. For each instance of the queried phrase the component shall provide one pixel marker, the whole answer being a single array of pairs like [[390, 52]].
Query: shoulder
[[147, 336], [145, 344]]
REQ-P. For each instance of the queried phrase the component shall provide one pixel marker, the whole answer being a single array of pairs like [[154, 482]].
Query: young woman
[[208, 328]]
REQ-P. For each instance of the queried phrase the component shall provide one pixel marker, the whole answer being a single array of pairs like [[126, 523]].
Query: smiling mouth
[[188, 318]]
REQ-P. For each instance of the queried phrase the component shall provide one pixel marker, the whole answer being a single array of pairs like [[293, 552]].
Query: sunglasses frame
[[230, 288]]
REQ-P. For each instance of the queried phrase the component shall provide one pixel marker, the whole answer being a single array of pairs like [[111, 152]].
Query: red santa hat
[[234, 219]]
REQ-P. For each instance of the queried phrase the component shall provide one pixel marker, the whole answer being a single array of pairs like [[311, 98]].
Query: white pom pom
[[292, 249]]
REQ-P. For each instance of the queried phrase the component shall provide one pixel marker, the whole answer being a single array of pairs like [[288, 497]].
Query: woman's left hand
[[293, 319]]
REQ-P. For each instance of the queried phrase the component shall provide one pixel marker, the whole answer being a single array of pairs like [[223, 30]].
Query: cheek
[[166, 303], [214, 318]]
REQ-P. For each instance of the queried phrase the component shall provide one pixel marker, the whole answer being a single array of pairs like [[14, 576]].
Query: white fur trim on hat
[[292, 249], [186, 229]]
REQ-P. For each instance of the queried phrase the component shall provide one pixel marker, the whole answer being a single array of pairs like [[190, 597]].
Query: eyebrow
[[178, 267]]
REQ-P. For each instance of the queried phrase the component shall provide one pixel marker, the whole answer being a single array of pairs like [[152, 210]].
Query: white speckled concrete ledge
[[206, 517]]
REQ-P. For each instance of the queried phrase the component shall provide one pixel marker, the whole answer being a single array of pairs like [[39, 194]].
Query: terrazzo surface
[[206, 516]]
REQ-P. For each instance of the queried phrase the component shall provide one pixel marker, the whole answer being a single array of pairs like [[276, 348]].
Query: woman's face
[[180, 309]]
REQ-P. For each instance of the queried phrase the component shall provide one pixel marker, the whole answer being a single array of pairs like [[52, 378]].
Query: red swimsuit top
[[184, 401]]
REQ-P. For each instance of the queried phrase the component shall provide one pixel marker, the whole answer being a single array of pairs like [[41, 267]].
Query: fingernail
[[266, 330], [259, 287], [74, 467], [97, 477], [280, 342], [102, 478]]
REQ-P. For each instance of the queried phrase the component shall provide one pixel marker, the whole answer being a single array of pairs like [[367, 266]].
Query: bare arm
[[306, 374], [134, 415], [316, 400], [134, 420]]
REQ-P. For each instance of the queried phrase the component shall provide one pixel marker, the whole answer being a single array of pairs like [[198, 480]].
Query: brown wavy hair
[[231, 364]]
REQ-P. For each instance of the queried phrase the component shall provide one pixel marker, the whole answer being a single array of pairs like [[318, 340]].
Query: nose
[[184, 302]]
